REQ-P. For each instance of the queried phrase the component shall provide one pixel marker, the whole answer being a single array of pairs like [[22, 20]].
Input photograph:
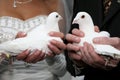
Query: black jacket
[[110, 23]]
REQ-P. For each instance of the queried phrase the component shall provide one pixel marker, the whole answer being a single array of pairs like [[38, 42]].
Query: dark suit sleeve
[[69, 63]]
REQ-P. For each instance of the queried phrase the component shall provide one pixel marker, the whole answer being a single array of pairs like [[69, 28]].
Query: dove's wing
[[107, 50], [15, 46]]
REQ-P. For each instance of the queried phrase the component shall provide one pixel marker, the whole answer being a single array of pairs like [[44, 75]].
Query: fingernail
[[77, 39], [81, 34], [95, 40], [51, 33]]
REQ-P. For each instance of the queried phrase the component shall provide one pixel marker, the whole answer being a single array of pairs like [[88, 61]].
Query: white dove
[[37, 38], [84, 20]]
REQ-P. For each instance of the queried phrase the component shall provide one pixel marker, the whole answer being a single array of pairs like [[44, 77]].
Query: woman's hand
[[55, 46], [31, 57], [27, 55]]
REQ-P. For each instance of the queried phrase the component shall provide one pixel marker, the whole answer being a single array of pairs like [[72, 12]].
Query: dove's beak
[[61, 17], [75, 21]]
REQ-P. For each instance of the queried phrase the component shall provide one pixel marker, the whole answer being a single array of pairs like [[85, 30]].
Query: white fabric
[[78, 78], [9, 26]]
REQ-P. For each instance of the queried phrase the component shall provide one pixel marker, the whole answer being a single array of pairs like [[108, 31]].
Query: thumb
[[102, 40]]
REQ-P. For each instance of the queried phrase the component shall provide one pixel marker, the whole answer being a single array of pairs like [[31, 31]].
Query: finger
[[97, 29], [74, 56], [33, 56], [97, 61], [91, 51], [21, 34], [106, 40], [101, 40], [58, 44], [23, 55], [86, 56], [40, 57], [50, 54], [72, 38], [57, 34], [71, 47], [54, 49], [77, 32]]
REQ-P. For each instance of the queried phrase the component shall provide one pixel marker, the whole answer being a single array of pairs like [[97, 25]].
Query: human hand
[[76, 35], [84, 57], [73, 49], [27, 55], [74, 38], [31, 57], [56, 46], [101, 61], [88, 55]]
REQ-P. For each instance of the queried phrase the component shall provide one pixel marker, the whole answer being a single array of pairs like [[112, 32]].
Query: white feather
[[87, 26], [37, 38]]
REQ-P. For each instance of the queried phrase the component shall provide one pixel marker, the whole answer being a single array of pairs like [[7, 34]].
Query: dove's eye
[[56, 16], [83, 16]]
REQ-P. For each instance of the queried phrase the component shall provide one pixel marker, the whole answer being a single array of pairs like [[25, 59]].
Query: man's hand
[[87, 53]]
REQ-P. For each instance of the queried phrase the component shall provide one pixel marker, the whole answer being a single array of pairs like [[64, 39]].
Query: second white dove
[[84, 20]]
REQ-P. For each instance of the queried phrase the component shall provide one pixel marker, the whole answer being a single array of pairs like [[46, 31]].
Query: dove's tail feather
[[14, 46], [107, 50]]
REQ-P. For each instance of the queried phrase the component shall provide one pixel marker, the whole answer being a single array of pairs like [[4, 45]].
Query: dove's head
[[83, 19], [53, 17]]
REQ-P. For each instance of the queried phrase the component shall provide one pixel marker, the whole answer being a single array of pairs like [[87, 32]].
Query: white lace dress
[[48, 69]]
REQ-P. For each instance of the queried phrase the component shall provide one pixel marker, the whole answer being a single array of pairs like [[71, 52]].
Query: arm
[[56, 60], [57, 65]]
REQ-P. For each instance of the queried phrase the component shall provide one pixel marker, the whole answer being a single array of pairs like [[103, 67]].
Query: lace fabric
[[9, 26]]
